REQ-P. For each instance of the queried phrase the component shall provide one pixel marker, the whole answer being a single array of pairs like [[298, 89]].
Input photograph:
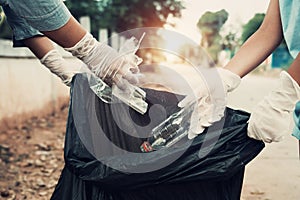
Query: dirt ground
[[31, 156]]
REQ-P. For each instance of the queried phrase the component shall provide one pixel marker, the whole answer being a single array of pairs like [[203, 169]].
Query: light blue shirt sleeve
[[296, 114], [290, 19]]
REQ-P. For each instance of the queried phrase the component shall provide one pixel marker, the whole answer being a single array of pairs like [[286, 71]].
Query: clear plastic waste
[[133, 96], [170, 131]]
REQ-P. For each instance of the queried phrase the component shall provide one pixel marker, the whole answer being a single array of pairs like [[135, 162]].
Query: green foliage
[[210, 25], [252, 25], [120, 15], [5, 30], [211, 22], [2, 15], [230, 42]]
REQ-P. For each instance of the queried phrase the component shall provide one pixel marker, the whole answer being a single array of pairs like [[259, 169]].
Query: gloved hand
[[271, 118], [105, 61], [59, 66], [210, 98]]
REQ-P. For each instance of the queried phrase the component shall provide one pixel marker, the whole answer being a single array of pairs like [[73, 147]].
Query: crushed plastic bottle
[[170, 131], [133, 95]]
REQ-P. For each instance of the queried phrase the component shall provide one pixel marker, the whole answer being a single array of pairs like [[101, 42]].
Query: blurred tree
[[1, 16], [252, 25], [91, 8], [210, 25], [230, 42], [120, 15], [5, 30]]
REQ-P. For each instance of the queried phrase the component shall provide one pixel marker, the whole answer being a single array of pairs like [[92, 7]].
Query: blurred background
[[34, 103]]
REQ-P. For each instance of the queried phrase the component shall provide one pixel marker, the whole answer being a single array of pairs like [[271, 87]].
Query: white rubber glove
[[104, 61], [272, 117], [59, 66], [211, 100]]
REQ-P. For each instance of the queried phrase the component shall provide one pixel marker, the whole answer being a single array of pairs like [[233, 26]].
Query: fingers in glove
[[113, 68], [134, 69], [206, 109], [187, 100], [255, 133], [192, 135], [199, 124], [195, 124], [133, 78], [217, 113], [262, 127], [120, 82], [126, 73], [195, 127], [126, 70]]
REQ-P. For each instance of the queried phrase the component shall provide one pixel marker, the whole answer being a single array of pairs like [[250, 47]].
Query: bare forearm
[[254, 51], [68, 35], [39, 45], [260, 45]]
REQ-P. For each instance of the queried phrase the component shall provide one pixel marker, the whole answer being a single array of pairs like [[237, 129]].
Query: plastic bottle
[[133, 95], [170, 131]]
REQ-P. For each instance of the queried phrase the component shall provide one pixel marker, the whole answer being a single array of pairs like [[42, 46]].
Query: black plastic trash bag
[[209, 167]]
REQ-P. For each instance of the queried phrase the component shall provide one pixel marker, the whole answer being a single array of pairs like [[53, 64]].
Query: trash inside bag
[[103, 158]]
